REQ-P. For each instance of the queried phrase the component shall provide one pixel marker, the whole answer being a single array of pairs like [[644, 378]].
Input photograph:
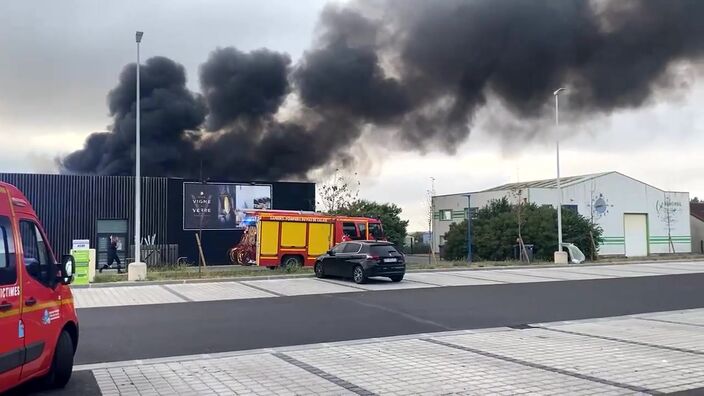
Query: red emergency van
[[38, 323]]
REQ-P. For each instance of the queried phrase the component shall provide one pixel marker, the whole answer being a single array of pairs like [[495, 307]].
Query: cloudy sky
[[59, 59]]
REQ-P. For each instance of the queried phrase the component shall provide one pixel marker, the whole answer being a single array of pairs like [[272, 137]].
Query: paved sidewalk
[[188, 292], [639, 354]]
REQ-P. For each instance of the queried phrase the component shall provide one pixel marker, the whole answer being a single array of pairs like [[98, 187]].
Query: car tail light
[[370, 257]]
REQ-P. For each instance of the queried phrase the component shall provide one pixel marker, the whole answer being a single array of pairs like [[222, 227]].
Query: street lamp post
[[469, 229], [137, 270], [560, 256]]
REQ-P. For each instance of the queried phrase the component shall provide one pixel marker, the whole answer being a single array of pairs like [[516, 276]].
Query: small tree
[[494, 232], [695, 200], [667, 212], [519, 209], [339, 191], [388, 214]]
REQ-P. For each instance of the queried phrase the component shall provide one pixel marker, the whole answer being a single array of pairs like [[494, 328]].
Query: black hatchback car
[[360, 260]]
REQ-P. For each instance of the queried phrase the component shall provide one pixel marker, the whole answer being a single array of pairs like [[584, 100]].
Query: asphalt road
[[138, 332]]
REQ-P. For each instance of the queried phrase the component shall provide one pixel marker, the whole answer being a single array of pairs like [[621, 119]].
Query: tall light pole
[[430, 220], [557, 147], [469, 229], [138, 173]]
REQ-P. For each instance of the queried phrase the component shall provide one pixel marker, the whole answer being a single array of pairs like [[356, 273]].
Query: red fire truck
[[275, 238]]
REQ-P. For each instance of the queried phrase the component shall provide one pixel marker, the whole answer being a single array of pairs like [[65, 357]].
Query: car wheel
[[358, 275], [319, 271], [397, 278], [62, 364]]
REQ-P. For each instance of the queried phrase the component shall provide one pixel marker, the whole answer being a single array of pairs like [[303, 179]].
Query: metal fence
[[157, 255]]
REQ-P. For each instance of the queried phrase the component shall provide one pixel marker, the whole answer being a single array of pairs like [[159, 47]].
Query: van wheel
[[291, 262], [358, 275], [62, 364]]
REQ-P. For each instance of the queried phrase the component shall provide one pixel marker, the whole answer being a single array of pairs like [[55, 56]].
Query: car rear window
[[384, 250]]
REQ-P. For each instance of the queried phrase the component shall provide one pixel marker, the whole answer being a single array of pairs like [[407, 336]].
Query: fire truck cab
[[38, 323], [275, 238]]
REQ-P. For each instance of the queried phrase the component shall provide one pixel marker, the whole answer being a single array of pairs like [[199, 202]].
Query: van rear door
[[11, 328]]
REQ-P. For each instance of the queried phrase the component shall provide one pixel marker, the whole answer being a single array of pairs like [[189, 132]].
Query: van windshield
[[375, 231]]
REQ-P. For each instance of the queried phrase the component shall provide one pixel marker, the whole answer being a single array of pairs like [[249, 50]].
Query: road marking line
[[177, 294], [600, 337], [324, 375], [534, 276], [277, 294], [332, 282], [424, 283], [601, 275], [481, 279], [670, 321], [393, 311], [544, 367]]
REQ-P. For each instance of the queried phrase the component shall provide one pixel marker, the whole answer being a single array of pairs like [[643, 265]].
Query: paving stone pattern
[[612, 356]]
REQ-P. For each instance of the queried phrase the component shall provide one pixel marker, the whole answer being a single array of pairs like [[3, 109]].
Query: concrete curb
[[184, 281], [296, 276]]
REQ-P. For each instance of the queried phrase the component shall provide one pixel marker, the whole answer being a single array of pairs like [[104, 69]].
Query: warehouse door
[[635, 228], [117, 229]]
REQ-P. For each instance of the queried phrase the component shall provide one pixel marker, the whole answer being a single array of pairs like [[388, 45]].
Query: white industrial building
[[637, 218], [696, 212]]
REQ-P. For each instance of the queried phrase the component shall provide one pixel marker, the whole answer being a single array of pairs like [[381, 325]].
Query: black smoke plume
[[239, 85], [412, 72], [170, 117]]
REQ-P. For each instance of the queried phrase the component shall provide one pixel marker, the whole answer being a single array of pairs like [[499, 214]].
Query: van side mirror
[[67, 269], [331, 252]]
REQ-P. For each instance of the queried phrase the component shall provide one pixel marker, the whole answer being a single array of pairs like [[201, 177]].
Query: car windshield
[[383, 250]]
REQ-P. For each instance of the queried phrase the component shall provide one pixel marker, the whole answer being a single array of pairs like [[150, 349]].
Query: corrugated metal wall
[[69, 205]]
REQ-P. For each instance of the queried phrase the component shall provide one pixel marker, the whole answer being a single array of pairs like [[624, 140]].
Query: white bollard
[[92, 263], [560, 257], [137, 272]]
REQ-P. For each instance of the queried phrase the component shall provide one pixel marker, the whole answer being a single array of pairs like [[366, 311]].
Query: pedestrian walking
[[112, 256]]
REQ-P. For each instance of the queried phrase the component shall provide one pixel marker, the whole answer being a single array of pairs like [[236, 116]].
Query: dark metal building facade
[[71, 206]]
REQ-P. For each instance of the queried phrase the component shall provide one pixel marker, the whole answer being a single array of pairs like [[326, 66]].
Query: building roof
[[548, 183], [697, 210]]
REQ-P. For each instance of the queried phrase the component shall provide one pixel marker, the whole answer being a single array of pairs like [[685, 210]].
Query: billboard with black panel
[[220, 206]]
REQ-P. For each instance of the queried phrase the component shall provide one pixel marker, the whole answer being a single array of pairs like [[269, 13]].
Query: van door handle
[[30, 301], [5, 306]]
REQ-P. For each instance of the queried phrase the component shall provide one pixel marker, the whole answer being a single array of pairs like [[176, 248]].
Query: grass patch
[[440, 264], [213, 272]]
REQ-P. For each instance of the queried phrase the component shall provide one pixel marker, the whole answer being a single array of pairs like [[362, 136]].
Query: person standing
[[112, 256]]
